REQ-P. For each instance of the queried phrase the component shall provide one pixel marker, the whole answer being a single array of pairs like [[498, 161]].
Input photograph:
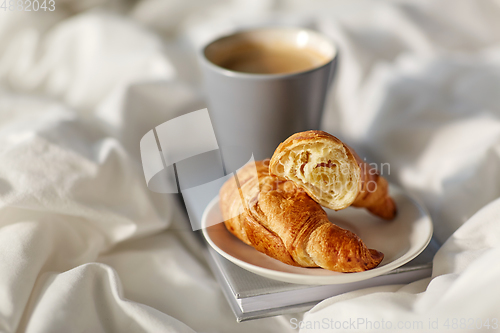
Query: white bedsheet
[[86, 247]]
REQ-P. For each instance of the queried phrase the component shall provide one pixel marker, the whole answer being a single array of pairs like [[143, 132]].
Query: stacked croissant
[[277, 207]]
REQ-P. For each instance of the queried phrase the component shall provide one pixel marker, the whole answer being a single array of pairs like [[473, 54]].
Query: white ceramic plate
[[400, 240]]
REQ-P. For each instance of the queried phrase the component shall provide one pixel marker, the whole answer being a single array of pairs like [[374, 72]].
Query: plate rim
[[298, 278]]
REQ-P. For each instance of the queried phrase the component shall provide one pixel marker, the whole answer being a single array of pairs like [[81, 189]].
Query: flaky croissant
[[332, 173], [279, 219]]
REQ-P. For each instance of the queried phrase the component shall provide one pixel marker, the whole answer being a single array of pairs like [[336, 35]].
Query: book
[[251, 296]]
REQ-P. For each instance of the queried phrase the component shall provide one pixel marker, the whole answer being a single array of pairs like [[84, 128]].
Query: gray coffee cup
[[253, 113]]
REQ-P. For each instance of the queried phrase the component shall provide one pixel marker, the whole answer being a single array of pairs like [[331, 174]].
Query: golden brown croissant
[[332, 173], [279, 219]]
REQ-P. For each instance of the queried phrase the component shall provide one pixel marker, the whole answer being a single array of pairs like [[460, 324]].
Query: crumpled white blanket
[[86, 247]]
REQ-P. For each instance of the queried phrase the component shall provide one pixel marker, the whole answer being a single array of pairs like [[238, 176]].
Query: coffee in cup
[[259, 57], [263, 85]]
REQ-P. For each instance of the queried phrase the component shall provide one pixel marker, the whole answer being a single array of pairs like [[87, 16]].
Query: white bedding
[[86, 247]]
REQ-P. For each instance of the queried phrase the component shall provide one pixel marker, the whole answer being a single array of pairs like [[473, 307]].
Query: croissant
[[332, 173], [279, 219]]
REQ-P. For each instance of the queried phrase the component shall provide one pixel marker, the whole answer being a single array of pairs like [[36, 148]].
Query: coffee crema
[[257, 58]]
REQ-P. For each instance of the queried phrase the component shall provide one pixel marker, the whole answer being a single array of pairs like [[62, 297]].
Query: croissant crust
[[332, 173], [280, 219]]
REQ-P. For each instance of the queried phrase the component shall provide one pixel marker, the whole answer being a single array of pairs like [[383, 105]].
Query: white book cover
[[252, 296]]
